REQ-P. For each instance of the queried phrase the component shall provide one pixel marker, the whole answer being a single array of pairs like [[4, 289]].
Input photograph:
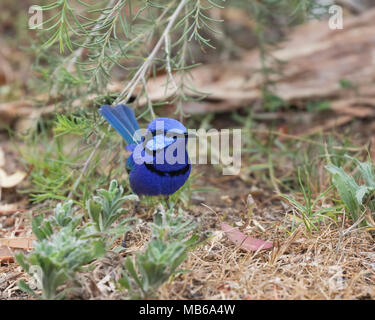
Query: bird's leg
[[166, 198], [126, 235]]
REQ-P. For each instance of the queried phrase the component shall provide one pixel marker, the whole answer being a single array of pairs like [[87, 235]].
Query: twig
[[10, 277], [354, 225], [149, 104], [128, 90], [168, 58], [86, 165]]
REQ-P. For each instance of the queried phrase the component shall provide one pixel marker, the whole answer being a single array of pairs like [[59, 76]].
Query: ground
[[334, 262]]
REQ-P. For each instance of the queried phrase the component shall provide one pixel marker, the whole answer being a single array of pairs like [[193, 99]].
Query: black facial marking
[[175, 173]]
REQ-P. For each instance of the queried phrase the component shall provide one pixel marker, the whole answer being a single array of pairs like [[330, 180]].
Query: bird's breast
[[146, 179]]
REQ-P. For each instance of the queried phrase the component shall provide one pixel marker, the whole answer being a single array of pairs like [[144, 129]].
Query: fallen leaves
[[9, 181], [2, 158], [18, 243], [6, 254], [245, 242], [22, 114], [11, 111], [9, 208], [6, 70], [320, 64]]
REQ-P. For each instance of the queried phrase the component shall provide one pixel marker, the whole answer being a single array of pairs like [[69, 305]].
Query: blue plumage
[[151, 171], [122, 119]]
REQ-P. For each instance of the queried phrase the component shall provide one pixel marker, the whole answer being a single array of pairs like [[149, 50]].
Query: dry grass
[[323, 265], [333, 263]]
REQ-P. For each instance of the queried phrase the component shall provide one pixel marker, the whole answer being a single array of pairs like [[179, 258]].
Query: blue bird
[[159, 163]]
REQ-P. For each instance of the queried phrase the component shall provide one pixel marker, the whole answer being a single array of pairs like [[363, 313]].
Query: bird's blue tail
[[122, 119]]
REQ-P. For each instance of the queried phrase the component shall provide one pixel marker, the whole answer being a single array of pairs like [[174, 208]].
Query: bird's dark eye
[[174, 137]]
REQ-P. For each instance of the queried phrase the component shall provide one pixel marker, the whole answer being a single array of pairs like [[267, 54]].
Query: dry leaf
[[11, 111], [6, 72], [6, 254], [6, 209], [2, 158], [18, 243], [245, 242], [317, 60], [22, 114], [10, 181]]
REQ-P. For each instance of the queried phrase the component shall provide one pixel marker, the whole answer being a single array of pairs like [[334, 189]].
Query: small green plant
[[61, 249], [55, 260], [311, 215], [170, 227], [317, 106], [152, 268], [143, 275], [105, 209], [63, 217], [53, 166], [358, 199]]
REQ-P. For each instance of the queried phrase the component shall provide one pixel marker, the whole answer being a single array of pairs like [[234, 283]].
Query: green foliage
[[357, 198], [55, 260], [271, 102], [115, 33], [77, 125], [104, 210], [310, 213], [53, 167], [143, 275], [202, 19], [170, 227], [63, 217], [60, 24], [152, 268], [313, 106], [56, 165], [82, 45], [65, 243], [118, 34]]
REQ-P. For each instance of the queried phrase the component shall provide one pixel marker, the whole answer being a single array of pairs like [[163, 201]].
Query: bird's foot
[[126, 235], [166, 198]]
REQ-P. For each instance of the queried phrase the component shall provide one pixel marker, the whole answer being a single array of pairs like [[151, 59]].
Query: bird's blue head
[[168, 135], [166, 124], [163, 132]]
